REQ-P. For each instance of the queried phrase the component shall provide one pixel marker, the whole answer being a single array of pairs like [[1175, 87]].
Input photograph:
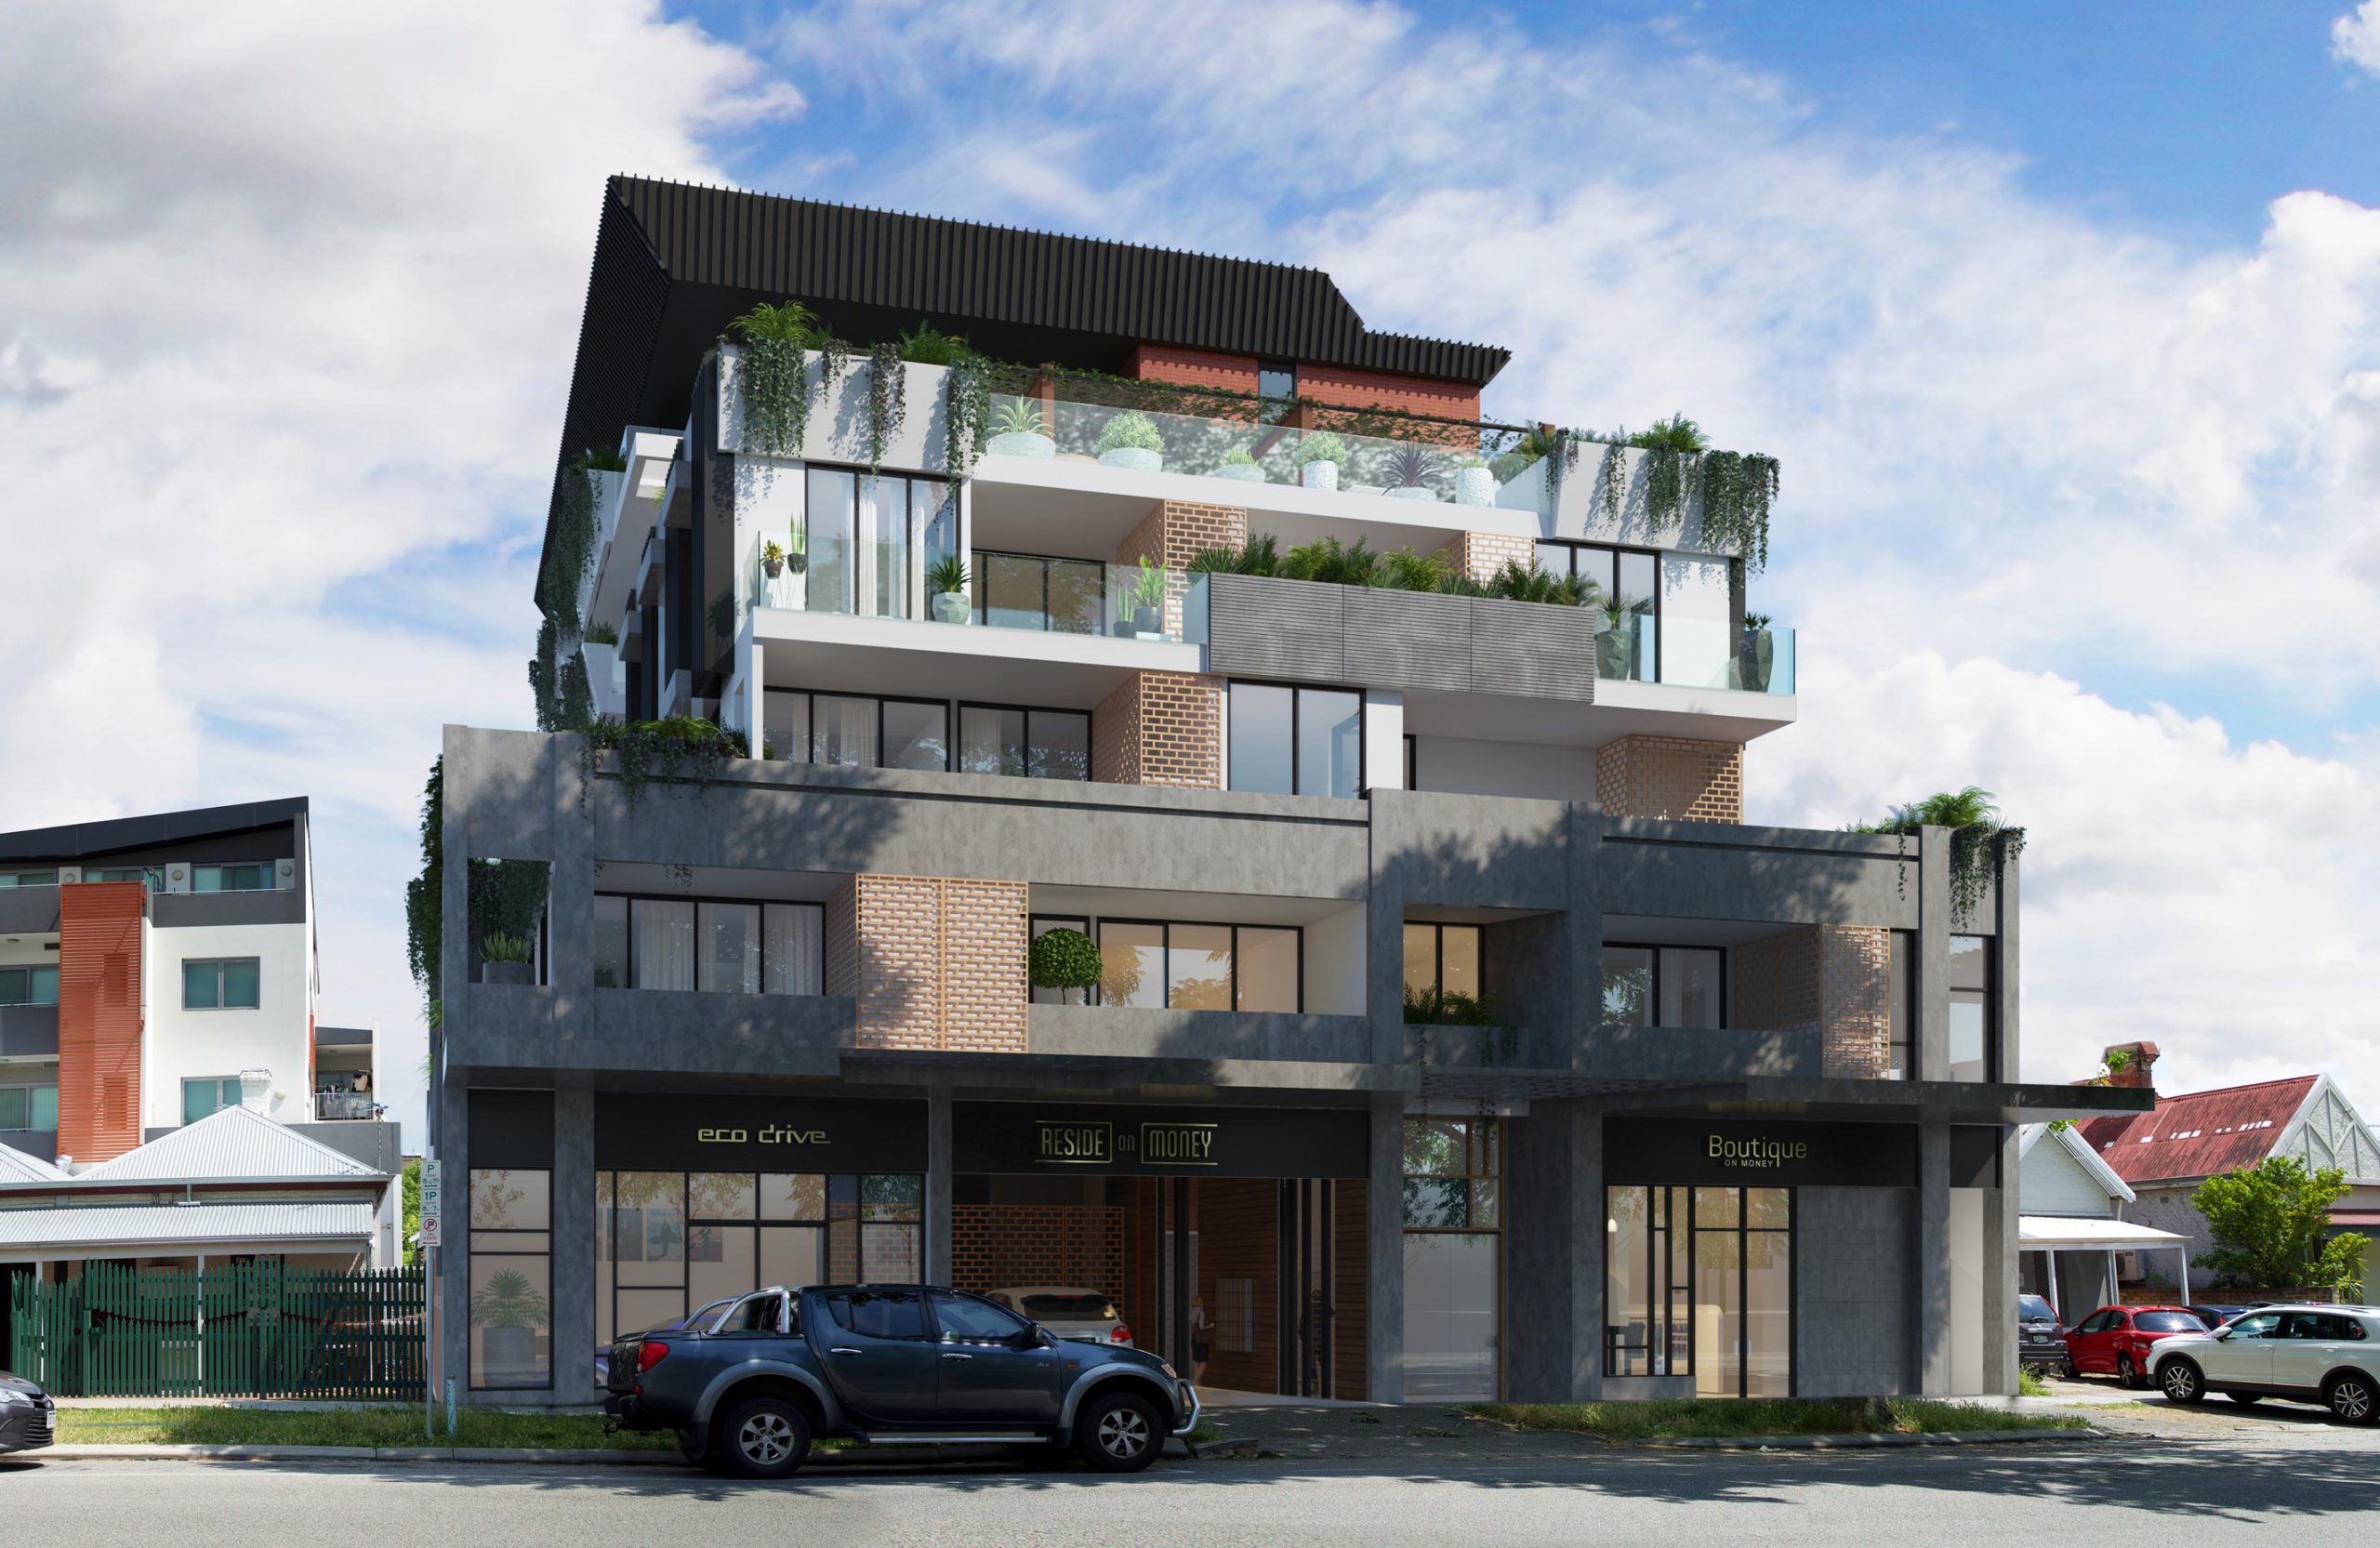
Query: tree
[[2268, 1222], [409, 1229]]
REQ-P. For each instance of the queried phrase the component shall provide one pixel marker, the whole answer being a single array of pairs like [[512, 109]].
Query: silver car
[[2326, 1355], [1069, 1311]]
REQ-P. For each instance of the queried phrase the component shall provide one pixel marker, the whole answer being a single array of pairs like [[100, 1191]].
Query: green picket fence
[[254, 1330]]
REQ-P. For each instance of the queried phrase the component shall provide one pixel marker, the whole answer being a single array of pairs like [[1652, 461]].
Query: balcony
[[345, 1107], [837, 577], [1303, 631], [1695, 652], [28, 1031]]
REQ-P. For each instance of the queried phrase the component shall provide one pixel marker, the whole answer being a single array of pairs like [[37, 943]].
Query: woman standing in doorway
[[1202, 1336]]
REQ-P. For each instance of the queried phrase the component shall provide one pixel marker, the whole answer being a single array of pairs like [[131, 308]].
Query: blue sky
[[2064, 320]]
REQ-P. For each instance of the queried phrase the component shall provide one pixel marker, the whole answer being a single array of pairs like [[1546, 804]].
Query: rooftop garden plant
[[500, 948], [772, 375], [1019, 416], [1130, 430], [1982, 843], [930, 346], [1318, 446]]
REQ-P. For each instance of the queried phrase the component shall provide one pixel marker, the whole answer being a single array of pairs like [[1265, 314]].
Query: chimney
[[2140, 1065]]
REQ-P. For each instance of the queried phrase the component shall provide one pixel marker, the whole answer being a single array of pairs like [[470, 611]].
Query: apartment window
[[856, 731], [1031, 744], [511, 1258], [28, 1106], [1975, 1035], [1901, 1058], [1200, 967], [1683, 987], [1444, 958], [1277, 384], [201, 1098], [248, 877], [1412, 762], [718, 946], [28, 985], [1296, 741], [28, 878], [1057, 596], [1633, 577], [860, 532], [220, 984], [116, 873]]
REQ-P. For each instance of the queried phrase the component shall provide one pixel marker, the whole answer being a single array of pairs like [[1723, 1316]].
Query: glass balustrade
[[1695, 652], [1006, 591]]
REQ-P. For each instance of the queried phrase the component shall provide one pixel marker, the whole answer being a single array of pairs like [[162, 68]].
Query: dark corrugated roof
[[75, 840], [675, 263], [2200, 1134]]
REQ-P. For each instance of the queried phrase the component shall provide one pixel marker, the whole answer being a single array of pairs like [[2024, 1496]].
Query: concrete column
[[2004, 981], [454, 1259], [938, 1212], [1554, 1254], [572, 1294], [2000, 1262], [1385, 1248], [1932, 863], [1384, 951], [1931, 1325]]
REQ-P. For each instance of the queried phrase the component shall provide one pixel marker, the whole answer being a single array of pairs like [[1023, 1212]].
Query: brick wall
[[1344, 387], [1679, 777], [933, 962], [1833, 979], [1195, 367], [99, 1019], [1175, 532], [1481, 555], [997, 1246], [1159, 728]]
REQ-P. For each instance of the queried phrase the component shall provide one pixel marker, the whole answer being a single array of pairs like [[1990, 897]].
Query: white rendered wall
[[1460, 766], [181, 1044], [1334, 963], [1384, 738]]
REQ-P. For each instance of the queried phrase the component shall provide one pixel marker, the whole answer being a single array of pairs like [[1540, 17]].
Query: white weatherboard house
[[2072, 1223]]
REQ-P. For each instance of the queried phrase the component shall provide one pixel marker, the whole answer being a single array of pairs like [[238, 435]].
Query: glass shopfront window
[[1453, 1258], [670, 1242], [1700, 1281], [1974, 1032], [512, 1280]]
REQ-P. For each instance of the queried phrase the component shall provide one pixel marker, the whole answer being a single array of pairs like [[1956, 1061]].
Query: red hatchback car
[[2114, 1340]]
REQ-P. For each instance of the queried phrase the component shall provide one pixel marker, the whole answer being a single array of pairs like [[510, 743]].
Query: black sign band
[[1750, 1153], [1252, 1142]]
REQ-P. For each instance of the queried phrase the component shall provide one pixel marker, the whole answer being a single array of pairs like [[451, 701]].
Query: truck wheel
[[766, 1437], [1118, 1432]]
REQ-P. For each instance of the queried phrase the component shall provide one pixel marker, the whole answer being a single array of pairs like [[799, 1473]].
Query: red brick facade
[[1195, 367], [996, 1246], [1482, 555], [1344, 387], [1833, 979]]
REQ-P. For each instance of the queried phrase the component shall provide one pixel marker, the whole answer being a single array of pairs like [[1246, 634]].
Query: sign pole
[[433, 1236]]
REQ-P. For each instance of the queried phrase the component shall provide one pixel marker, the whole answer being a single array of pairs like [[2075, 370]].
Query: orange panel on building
[[99, 1019]]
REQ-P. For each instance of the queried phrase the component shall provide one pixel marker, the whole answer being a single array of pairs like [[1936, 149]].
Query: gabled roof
[[16, 1166], [184, 1226], [232, 1146], [2069, 1139], [2200, 1134]]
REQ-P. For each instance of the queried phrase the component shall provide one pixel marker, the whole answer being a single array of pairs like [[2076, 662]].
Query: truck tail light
[[652, 1351], [1120, 1334]]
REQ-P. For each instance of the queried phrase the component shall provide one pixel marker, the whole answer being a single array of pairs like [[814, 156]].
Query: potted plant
[[1616, 646], [1124, 605], [1474, 482], [1068, 962], [948, 580], [1318, 457], [1239, 463], [1410, 468], [505, 960], [772, 559], [1147, 591], [508, 1312], [1131, 441], [1018, 429], [1756, 652]]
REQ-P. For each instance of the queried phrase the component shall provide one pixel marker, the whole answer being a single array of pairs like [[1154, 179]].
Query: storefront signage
[[686, 1133], [1255, 1142], [1715, 1152]]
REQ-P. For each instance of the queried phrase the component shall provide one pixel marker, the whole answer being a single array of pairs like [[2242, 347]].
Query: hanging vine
[[680, 747], [773, 386], [968, 427], [1611, 484], [1737, 488], [1981, 844], [888, 395]]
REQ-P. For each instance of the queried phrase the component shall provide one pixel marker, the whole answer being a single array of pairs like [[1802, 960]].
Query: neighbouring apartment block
[[1451, 1033]]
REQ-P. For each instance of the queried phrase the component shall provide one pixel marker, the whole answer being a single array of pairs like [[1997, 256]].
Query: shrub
[[500, 948], [1131, 428], [1065, 960], [1319, 446]]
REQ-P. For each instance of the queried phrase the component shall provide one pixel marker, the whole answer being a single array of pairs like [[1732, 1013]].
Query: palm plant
[[930, 346], [1982, 841], [947, 574], [1404, 570], [508, 1300], [780, 323], [1677, 433], [1332, 562]]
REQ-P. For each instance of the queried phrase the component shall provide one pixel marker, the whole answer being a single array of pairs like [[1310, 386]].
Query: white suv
[[2326, 1355]]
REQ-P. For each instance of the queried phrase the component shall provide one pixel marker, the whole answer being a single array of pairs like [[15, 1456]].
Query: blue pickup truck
[[749, 1388]]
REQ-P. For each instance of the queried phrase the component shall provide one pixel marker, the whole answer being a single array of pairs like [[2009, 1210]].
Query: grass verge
[[1672, 1419], [389, 1426], [2029, 1384]]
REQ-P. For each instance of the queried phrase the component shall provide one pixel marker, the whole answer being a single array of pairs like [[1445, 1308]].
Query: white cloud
[[2355, 37], [288, 298]]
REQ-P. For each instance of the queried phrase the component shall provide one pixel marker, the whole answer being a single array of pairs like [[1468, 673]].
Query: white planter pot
[[1135, 457], [1246, 471], [1319, 474], [1413, 492], [1022, 444], [1474, 487], [951, 607]]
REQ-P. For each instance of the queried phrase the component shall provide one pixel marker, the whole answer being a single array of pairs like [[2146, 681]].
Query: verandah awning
[[2035, 1232]]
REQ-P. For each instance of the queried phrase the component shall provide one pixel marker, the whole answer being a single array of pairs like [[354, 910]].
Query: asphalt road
[[2119, 1494]]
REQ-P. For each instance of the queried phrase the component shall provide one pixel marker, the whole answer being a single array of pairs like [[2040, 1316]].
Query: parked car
[[2115, 1340], [701, 1316], [2039, 1343], [889, 1365], [1068, 1312], [2215, 1316], [2326, 1355], [28, 1418]]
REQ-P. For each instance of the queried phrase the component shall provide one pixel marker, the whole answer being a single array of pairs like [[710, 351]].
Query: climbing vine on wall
[[1981, 842], [1737, 488], [887, 403], [680, 747]]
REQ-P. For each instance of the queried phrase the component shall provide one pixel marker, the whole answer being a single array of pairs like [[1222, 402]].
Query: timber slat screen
[[251, 1329]]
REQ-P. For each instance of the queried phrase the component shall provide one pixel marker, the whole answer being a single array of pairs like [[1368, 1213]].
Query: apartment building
[[1451, 1035], [155, 972]]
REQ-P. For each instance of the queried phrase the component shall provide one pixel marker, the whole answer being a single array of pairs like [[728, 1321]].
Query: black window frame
[[1101, 923], [959, 721], [472, 1233], [1412, 762], [27, 972], [760, 942], [1988, 954], [949, 742], [1575, 545], [1438, 929], [914, 580], [1297, 692], [1726, 955], [976, 573]]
